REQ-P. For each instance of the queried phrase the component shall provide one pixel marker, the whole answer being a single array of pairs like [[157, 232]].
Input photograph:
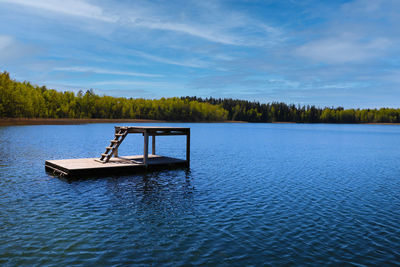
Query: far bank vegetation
[[24, 100]]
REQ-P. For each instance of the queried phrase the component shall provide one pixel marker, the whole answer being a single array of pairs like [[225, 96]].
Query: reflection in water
[[162, 193]]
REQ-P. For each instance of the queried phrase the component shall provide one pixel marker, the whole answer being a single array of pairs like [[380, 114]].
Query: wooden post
[[188, 148], [153, 145], [116, 149], [146, 148]]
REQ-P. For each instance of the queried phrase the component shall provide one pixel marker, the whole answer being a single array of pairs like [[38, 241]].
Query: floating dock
[[111, 163]]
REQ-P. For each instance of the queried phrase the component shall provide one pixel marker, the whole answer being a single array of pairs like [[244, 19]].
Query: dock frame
[[153, 132], [111, 163]]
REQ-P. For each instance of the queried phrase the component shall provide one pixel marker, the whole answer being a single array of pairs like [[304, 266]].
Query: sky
[[323, 53]]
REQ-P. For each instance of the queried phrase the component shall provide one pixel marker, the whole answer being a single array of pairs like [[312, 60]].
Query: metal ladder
[[118, 138]]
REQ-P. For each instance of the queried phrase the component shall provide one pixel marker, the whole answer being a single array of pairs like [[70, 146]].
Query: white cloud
[[185, 63], [5, 42], [146, 84], [344, 85], [105, 71], [228, 32], [367, 6], [197, 31], [11, 49], [216, 26], [67, 7], [333, 51]]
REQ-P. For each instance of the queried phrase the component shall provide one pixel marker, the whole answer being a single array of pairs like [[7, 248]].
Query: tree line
[[243, 110], [24, 100]]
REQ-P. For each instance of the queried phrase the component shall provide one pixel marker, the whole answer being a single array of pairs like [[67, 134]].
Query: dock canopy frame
[[147, 131], [127, 164]]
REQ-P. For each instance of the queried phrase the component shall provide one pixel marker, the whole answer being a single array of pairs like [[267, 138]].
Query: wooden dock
[[111, 163]]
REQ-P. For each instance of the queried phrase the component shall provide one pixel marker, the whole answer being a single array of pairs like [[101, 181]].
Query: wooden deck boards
[[89, 166]]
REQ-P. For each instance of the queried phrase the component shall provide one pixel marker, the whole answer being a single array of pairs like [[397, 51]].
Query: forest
[[243, 110], [24, 100]]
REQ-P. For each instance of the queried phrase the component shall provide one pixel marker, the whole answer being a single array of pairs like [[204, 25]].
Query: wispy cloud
[[217, 29], [186, 63], [67, 7], [11, 49], [105, 71], [342, 50], [197, 31], [210, 21], [145, 84], [5, 42]]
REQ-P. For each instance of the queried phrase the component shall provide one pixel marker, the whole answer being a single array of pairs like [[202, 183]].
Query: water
[[256, 194]]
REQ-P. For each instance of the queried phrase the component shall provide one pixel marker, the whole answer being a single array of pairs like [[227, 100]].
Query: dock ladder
[[113, 148]]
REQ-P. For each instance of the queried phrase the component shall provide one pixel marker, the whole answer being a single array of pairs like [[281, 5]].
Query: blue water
[[255, 194]]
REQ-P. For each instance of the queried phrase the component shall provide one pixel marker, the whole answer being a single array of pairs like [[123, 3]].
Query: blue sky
[[325, 53]]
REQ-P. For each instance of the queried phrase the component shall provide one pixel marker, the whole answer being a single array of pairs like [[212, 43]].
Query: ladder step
[[111, 149]]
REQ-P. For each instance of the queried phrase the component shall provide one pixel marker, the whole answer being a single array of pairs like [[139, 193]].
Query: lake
[[255, 194]]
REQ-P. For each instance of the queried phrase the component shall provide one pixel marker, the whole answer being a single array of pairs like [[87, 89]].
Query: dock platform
[[120, 165], [111, 163]]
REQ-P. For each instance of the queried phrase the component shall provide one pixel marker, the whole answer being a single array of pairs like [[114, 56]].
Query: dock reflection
[[154, 195]]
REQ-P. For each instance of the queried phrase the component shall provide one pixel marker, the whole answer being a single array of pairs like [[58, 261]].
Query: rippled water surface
[[255, 194]]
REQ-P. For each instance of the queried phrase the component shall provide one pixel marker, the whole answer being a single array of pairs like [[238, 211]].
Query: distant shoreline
[[44, 121], [64, 121]]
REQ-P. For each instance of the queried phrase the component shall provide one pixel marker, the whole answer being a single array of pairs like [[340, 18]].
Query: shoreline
[[64, 121], [46, 121]]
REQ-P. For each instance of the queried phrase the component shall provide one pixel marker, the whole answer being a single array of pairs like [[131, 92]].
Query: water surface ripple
[[256, 194]]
